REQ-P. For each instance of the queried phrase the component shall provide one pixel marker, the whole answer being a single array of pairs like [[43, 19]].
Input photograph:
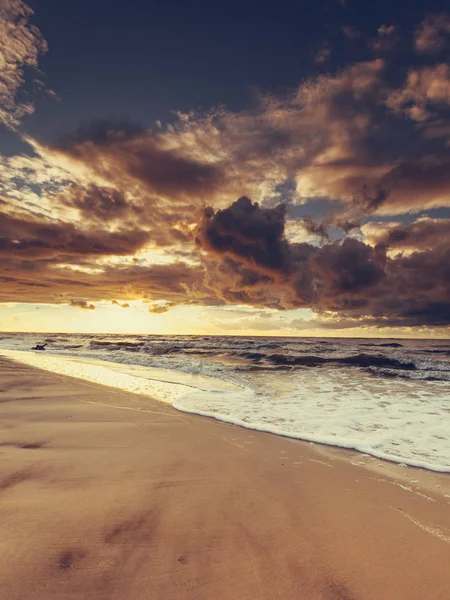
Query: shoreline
[[127, 377], [105, 503]]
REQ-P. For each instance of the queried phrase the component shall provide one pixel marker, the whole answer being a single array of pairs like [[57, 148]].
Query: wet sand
[[108, 495]]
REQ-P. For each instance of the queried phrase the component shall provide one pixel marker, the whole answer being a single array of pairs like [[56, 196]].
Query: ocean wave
[[94, 344], [358, 360], [417, 375], [251, 355], [71, 346], [159, 348], [386, 345]]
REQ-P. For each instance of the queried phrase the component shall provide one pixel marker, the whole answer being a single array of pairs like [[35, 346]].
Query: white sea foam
[[163, 384], [399, 420]]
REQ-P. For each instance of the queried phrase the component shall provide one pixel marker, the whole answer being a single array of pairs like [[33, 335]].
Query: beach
[[103, 495]]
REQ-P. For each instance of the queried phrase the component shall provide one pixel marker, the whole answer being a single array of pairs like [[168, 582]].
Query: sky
[[225, 169]]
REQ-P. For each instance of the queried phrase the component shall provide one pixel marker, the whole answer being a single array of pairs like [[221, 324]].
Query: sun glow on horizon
[[134, 318]]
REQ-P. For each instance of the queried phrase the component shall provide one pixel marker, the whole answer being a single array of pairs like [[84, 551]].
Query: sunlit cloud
[[21, 44]]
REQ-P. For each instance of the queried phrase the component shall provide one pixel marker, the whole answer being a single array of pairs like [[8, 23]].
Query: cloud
[[31, 239], [154, 160], [220, 154], [423, 234], [81, 304], [267, 270], [425, 91], [315, 228], [432, 34], [50, 260], [98, 204], [123, 305], [351, 33], [21, 43], [246, 231], [416, 184], [45, 281], [386, 39], [347, 136], [347, 278], [159, 309], [323, 54]]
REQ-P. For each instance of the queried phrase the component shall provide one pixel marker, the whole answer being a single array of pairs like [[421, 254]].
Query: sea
[[382, 397]]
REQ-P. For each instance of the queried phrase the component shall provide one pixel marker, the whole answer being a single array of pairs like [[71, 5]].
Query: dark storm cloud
[[117, 150], [30, 240], [347, 269], [417, 290], [98, 203], [265, 268], [246, 231], [349, 278]]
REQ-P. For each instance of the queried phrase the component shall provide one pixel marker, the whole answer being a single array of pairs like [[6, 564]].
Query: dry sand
[[100, 502]]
